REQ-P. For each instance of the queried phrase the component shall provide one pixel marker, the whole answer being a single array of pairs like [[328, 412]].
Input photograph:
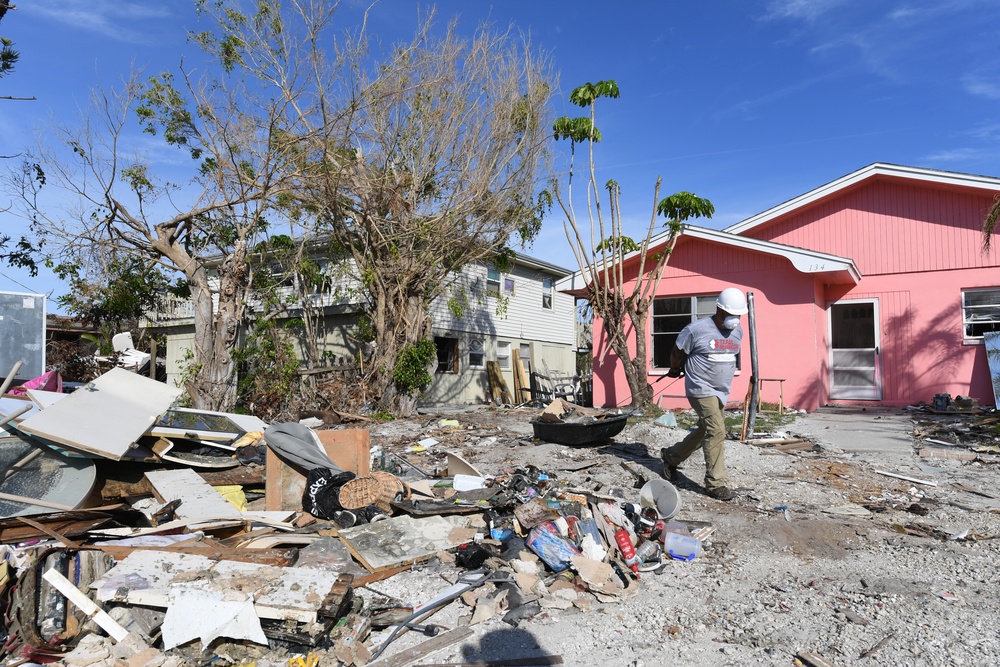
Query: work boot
[[722, 493], [670, 472]]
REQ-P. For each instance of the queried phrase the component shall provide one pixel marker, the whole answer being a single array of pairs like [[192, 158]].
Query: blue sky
[[747, 103]]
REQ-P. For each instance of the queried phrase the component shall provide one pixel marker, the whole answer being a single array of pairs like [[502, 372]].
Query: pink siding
[[917, 246], [790, 330], [890, 227]]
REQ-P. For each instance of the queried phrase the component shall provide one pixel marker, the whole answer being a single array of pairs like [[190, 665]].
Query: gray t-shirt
[[711, 360]]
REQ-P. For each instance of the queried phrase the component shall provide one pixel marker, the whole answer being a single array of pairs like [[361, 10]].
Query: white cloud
[[808, 10], [986, 132], [955, 155], [977, 86], [117, 20]]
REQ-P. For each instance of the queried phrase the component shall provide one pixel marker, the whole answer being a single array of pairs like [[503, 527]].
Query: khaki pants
[[710, 436]]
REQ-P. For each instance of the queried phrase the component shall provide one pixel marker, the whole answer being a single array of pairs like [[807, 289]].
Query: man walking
[[705, 354]]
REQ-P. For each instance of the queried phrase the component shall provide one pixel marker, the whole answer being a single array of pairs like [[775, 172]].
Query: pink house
[[872, 289]]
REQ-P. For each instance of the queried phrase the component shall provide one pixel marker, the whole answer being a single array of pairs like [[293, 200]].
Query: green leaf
[[681, 206]]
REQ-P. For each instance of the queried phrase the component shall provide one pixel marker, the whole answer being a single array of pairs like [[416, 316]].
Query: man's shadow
[[509, 644]]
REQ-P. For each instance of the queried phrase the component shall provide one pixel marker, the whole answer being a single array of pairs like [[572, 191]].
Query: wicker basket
[[379, 489]]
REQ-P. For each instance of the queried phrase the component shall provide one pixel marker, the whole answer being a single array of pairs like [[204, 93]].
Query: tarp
[[298, 446]]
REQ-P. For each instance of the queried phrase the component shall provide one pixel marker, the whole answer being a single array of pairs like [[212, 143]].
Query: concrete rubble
[[139, 534]]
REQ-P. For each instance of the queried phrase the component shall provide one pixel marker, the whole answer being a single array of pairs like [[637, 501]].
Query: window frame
[[481, 352], [493, 284], [969, 325], [700, 306], [500, 357], [548, 293], [450, 359]]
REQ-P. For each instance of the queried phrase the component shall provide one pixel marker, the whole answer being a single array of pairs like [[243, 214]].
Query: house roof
[[540, 265], [878, 169], [833, 269]]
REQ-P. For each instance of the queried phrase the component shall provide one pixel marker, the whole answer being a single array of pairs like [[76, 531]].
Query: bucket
[[660, 495], [681, 547]]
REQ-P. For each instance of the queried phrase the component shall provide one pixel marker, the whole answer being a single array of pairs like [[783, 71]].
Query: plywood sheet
[[105, 416], [198, 499], [146, 577], [349, 448]]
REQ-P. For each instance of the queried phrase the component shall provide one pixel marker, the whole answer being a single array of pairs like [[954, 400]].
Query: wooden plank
[[522, 386], [349, 448], [134, 401], [907, 479], [198, 499], [498, 386], [405, 658], [127, 480], [66, 527], [276, 557]]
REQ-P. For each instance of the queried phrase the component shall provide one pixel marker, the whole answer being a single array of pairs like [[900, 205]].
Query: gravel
[[784, 574]]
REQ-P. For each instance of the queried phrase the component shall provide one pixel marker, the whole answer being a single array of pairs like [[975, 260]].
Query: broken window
[[547, 293], [477, 355], [447, 353], [503, 354], [670, 315], [980, 312]]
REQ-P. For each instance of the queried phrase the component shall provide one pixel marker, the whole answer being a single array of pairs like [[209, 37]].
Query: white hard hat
[[732, 301]]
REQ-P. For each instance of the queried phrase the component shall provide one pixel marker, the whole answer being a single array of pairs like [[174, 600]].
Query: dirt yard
[[820, 557]]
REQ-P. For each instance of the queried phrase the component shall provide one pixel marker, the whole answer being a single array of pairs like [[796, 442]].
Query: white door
[[854, 350]]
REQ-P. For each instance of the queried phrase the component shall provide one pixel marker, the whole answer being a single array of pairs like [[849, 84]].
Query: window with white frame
[[547, 293], [980, 312], [670, 315], [508, 285], [477, 354], [503, 354], [492, 279]]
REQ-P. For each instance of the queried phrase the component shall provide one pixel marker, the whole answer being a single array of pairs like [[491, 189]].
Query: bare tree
[[415, 162], [621, 297], [242, 158], [421, 160]]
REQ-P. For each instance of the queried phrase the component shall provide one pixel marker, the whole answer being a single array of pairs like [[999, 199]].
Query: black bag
[[322, 495]]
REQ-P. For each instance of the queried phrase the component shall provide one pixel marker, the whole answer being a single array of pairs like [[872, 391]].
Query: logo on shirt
[[724, 345]]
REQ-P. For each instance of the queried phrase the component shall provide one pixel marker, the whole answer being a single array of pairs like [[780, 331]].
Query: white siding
[[524, 317]]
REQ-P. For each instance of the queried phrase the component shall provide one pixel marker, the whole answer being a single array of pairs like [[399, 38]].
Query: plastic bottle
[[628, 551], [647, 551]]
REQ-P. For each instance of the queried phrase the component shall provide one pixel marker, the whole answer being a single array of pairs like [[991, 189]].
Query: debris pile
[[137, 531]]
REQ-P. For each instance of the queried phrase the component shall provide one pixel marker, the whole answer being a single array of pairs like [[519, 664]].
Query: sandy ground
[[818, 555]]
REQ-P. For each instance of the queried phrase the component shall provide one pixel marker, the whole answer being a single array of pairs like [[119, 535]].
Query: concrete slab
[[858, 430]]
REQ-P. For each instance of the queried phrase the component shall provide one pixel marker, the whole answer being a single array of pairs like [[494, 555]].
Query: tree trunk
[[212, 385], [400, 319], [642, 391]]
